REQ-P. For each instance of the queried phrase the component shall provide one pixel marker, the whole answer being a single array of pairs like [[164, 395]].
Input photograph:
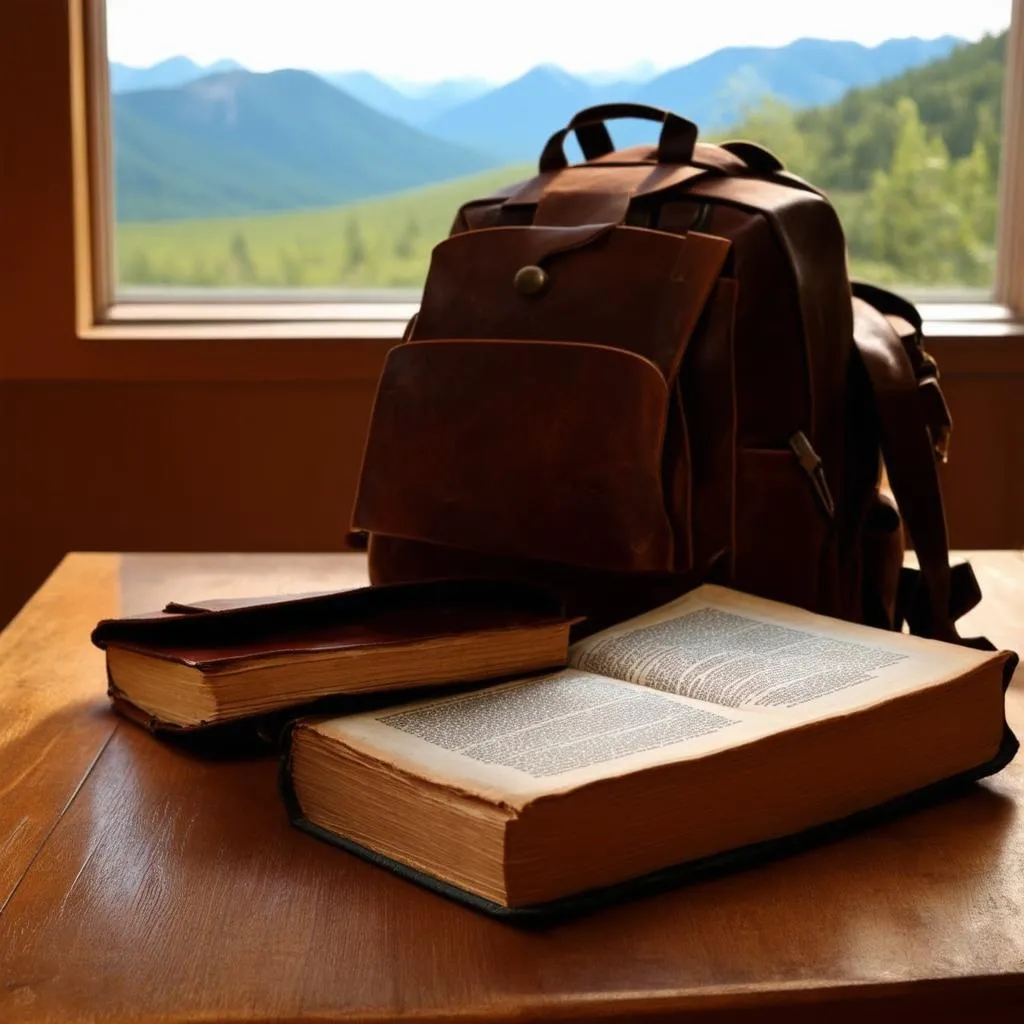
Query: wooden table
[[141, 883]]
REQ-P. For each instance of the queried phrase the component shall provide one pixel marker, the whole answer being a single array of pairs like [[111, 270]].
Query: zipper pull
[[810, 462]]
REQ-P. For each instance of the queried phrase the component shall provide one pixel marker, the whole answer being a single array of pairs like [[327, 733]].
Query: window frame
[[100, 316], [1009, 288]]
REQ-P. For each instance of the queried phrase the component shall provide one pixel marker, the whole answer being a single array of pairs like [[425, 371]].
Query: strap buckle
[[810, 463]]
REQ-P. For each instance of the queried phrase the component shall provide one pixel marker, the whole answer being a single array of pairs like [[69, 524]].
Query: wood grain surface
[[142, 882]]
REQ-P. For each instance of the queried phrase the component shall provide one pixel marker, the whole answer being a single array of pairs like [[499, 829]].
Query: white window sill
[[268, 315]]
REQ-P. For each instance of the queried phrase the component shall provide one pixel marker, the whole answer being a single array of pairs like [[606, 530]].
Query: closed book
[[202, 665]]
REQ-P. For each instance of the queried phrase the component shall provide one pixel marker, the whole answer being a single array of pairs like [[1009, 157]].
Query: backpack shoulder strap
[[914, 432]]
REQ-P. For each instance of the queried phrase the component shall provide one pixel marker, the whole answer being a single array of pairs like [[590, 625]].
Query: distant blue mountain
[[168, 74], [416, 104], [514, 120], [375, 93], [243, 142], [640, 72], [189, 143], [447, 92], [719, 89]]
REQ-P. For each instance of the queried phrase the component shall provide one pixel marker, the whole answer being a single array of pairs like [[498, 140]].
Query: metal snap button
[[530, 280]]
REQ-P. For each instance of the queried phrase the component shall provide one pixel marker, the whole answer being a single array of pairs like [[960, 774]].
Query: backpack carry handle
[[675, 145]]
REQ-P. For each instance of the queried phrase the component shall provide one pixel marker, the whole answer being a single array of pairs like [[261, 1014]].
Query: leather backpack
[[649, 370]]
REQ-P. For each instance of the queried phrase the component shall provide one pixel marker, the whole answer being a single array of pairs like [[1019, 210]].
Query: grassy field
[[380, 243]]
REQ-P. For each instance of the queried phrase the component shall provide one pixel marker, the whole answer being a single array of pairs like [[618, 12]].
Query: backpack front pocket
[[544, 450]]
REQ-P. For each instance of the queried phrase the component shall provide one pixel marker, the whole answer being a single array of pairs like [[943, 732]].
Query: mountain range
[[240, 142], [719, 89], [716, 91], [168, 74], [194, 141], [416, 105]]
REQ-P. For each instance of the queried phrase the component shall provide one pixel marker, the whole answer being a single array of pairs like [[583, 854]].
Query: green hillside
[[378, 243], [163, 172], [959, 99], [911, 164], [242, 142]]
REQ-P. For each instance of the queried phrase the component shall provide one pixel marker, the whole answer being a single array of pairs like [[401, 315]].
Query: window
[[316, 150]]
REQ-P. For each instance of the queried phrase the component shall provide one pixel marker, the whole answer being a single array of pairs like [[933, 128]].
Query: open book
[[715, 722]]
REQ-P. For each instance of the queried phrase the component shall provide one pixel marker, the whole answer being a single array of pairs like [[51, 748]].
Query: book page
[[545, 734], [737, 651]]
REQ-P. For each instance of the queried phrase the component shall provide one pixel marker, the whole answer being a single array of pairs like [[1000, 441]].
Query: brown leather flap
[[541, 450], [630, 288]]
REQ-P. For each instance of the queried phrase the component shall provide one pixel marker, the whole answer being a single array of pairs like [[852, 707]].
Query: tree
[[405, 244], [975, 191], [774, 126], [989, 136], [240, 256], [908, 201], [355, 246], [292, 272]]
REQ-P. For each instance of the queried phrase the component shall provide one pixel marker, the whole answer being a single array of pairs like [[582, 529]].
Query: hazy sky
[[499, 39]]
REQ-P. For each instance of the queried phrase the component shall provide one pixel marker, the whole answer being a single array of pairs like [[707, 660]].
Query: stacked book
[[452, 732]]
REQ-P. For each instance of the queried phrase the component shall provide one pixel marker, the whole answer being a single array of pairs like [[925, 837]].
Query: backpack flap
[[631, 288], [527, 415]]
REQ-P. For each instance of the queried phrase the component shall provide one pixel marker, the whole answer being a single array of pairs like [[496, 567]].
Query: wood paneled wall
[[172, 467], [983, 483]]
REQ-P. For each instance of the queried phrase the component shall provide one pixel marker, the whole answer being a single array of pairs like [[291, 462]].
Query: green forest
[[911, 165]]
